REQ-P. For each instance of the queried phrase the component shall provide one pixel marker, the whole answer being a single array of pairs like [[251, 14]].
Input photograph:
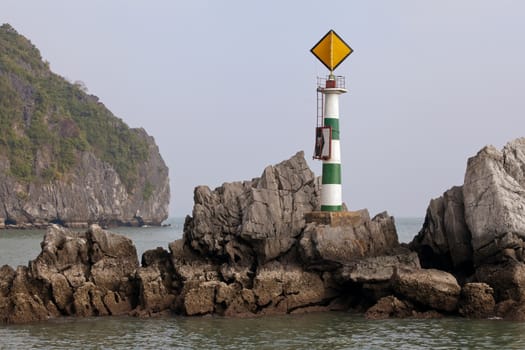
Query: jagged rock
[[483, 234], [432, 288], [69, 260], [246, 251], [88, 301], [494, 192], [198, 278], [507, 279], [477, 300], [234, 300], [114, 259], [189, 266], [268, 286], [27, 308], [80, 274], [483, 221], [199, 297], [325, 247], [376, 269], [284, 288], [26, 300], [156, 283], [374, 274], [158, 257], [389, 307], [63, 265], [7, 275], [253, 220], [154, 296], [240, 250], [444, 241], [511, 310], [240, 274], [116, 304]]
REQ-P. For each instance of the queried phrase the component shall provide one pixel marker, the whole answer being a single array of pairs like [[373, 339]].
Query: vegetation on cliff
[[46, 120]]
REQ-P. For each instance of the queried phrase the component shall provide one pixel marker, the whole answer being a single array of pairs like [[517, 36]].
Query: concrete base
[[337, 218]]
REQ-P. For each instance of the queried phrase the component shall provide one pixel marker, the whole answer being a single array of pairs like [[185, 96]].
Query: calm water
[[334, 330], [407, 228]]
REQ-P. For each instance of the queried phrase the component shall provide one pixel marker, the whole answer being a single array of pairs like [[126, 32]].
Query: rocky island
[[64, 157], [251, 248]]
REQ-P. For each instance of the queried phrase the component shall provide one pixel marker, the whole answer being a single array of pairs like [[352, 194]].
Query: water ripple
[[313, 331]]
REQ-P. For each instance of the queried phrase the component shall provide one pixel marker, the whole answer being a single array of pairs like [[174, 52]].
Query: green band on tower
[[331, 173], [331, 208], [334, 124]]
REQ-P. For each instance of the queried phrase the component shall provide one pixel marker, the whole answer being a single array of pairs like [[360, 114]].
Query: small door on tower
[[323, 142]]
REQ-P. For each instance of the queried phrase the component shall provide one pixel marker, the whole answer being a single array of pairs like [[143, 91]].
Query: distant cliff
[[64, 157]]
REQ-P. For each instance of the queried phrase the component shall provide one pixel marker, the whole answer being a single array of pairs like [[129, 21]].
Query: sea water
[[328, 330]]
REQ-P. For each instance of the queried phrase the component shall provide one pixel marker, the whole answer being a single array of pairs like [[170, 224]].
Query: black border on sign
[[344, 58]]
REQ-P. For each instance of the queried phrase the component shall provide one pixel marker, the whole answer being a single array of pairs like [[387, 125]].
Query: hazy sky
[[229, 87]]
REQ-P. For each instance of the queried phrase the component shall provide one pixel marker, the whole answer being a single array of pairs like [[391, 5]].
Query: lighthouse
[[331, 50]]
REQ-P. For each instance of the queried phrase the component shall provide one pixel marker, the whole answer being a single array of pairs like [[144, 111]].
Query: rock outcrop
[[445, 240], [435, 289], [76, 274], [477, 301], [255, 248], [477, 232], [482, 221], [390, 307], [324, 247], [247, 250], [253, 220], [494, 192]]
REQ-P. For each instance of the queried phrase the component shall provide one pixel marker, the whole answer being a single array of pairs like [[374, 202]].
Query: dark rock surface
[[477, 301], [445, 240], [390, 307]]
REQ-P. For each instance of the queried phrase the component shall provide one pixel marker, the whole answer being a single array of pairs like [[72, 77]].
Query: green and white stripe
[[331, 191]]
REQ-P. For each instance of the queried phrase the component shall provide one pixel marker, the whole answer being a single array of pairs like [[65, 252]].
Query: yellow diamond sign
[[331, 50]]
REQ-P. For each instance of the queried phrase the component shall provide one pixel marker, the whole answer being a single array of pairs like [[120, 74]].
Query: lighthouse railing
[[339, 82]]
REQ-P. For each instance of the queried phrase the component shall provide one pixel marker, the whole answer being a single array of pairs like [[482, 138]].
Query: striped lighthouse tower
[[331, 190], [331, 50]]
